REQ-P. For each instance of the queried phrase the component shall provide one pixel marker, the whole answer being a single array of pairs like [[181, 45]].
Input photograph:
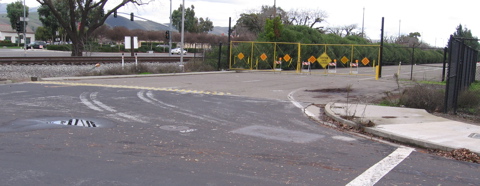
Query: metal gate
[[461, 71], [305, 58]]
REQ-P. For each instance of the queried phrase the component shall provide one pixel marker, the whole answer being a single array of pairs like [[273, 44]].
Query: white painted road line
[[294, 102], [90, 105], [93, 97], [382, 168]]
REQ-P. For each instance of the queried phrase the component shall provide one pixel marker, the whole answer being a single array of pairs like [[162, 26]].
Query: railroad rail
[[85, 60]]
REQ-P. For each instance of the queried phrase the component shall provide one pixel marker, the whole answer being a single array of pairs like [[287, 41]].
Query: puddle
[[41, 123], [74, 122]]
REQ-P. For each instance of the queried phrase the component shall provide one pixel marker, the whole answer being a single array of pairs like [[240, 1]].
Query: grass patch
[[433, 82], [475, 86]]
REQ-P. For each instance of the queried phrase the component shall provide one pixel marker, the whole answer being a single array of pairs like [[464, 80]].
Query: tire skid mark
[[97, 105]]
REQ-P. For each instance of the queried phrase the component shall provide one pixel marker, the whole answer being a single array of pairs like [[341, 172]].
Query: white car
[[177, 51]]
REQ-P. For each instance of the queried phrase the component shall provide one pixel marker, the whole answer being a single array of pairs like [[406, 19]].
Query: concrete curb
[[389, 135], [132, 76], [337, 117], [407, 140]]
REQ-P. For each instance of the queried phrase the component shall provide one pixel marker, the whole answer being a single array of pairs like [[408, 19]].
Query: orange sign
[[263, 56], [240, 56], [365, 61], [287, 57], [344, 60], [312, 59]]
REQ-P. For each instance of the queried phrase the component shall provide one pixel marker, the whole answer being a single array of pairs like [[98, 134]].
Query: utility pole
[[363, 22], [183, 31], [170, 32], [24, 28]]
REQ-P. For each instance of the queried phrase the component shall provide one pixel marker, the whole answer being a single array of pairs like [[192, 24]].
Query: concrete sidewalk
[[411, 126]]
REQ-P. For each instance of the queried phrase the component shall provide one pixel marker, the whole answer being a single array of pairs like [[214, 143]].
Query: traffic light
[[167, 34], [18, 27], [115, 14], [131, 16]]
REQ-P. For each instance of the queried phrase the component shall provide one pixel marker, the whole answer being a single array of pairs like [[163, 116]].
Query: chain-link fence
[[301, 58]]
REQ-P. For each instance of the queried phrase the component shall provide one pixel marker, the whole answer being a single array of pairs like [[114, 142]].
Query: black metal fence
[[461, 72]]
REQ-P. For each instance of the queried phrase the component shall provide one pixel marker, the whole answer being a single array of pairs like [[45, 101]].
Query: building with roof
[[7, 33]]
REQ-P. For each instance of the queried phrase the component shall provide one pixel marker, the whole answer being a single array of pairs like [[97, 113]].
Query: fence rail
[[301, 58]]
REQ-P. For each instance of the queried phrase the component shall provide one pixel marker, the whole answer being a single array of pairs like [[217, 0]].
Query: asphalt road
[[243, 129]]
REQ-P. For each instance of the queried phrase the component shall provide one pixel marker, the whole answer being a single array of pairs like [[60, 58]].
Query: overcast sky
[[434, 20]]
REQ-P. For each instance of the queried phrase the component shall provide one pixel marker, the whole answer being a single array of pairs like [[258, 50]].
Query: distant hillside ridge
[[138, 23]]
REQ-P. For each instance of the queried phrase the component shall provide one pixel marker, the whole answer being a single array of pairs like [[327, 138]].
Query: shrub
[[428, 97], [59, 47]]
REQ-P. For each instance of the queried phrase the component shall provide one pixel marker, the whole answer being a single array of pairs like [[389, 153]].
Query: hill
[[120, 20]]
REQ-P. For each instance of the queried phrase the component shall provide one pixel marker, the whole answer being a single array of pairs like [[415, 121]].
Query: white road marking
[[380, 169], [97, 104], [140, 95], [93, 97], [150, 98], [290, 97], [150, 95], [86, 102]]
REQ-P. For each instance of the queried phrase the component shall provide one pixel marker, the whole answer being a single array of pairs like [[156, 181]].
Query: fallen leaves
[[459, 154]]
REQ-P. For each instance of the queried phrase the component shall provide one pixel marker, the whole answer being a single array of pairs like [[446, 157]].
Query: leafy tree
[[42, 34], [15, 11], [465, 33], [273, 29], [414, 34], [49, 21], [80, 19], [254, 22], [204, 25], [192, 23]]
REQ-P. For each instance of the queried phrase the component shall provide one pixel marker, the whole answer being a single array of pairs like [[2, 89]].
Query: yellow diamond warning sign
[[344, 60], [263, 56], [324, 59], [365, 61], [240, 56], [312, 59], [287, 57]]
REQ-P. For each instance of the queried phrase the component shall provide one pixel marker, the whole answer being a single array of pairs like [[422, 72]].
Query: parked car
[[177, 51], [37, 45]]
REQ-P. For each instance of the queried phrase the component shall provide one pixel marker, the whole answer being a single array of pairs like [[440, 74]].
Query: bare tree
[[349, 29], [306, 17], [118, 34], [82, 17], [335, 30]]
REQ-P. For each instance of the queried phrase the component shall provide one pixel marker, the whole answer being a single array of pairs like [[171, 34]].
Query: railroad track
[[85, 60]]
